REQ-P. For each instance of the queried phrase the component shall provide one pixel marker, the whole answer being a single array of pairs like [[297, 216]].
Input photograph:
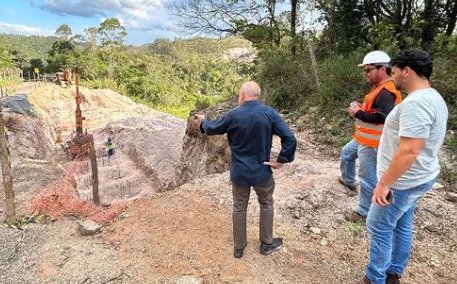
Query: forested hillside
[[26, 49], [306, 57], [172, 76]]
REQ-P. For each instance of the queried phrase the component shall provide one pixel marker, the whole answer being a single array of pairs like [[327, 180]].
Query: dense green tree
[[111, 32], [162, 46], [25, 48], [37, 63], [385, 23], [20, 59], [112, 35], [61, 47], [5, 58], [63, 32], [62, 55], [344, 22]]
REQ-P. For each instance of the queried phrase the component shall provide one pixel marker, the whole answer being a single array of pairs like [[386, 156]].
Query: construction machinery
[[79, 146]]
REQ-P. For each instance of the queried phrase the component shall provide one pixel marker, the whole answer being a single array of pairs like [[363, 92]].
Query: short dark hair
[[418, 60]]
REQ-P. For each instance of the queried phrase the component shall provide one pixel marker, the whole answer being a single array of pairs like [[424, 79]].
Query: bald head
[[249, 91]]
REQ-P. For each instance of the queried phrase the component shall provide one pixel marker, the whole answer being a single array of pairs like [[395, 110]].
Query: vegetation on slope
[[181, 75]]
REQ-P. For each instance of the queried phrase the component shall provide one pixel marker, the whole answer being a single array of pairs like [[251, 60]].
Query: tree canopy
[[111, 32], [63, 32], [304, 64]]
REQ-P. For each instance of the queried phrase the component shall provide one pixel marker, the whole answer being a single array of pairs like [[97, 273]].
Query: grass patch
[[356, 228]]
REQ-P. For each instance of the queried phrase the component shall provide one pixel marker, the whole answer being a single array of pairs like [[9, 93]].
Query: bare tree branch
[[217, 16]]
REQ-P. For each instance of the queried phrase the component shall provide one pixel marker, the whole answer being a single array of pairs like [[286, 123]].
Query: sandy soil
[[183, 235]]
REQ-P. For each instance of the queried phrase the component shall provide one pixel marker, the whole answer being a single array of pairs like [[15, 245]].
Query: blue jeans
[[367, 177], [391, 233], [347, 162]]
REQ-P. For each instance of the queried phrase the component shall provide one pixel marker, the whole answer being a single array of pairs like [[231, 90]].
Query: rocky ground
[[180, 232]]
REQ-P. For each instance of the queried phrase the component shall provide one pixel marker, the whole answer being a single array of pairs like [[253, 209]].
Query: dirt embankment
[[183, 235]]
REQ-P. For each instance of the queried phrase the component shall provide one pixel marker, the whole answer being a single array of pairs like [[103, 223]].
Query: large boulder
[[28, 137]]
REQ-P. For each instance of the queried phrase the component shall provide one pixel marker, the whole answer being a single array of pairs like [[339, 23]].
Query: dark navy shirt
[[250, 129]]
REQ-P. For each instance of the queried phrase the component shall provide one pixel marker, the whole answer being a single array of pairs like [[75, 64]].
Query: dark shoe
[[238, 253], [266, 249], [352, 188], [355, 217], [393, 279]]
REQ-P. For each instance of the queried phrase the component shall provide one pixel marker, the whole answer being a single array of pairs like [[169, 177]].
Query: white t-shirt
[[422, 114]]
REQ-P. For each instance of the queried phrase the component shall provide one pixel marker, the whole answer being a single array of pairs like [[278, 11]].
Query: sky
[[145, 20]]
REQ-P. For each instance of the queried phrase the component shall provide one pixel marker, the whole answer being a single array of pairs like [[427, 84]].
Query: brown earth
[[177, 225]]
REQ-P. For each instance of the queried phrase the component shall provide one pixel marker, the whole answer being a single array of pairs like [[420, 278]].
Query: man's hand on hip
[[275, 165]]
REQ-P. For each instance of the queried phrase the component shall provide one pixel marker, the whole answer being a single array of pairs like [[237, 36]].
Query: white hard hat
[[375, 57]]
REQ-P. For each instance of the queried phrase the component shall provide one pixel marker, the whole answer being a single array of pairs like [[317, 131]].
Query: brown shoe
[[355, 217], [352, 188], [393, 279]]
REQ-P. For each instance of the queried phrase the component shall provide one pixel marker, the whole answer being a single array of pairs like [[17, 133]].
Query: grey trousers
[[240, 204]]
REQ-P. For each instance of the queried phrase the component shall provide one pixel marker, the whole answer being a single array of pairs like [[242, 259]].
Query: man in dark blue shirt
[[250, 129]]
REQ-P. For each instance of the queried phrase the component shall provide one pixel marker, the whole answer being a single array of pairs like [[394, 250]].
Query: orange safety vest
[[366, 133]]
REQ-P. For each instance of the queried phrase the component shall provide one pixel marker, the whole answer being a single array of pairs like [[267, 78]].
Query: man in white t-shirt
[[407, 165]]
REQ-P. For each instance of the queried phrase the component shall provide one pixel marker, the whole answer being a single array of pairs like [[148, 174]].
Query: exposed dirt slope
[[99, 106], [184, 235], [148, 143], [186, 232]]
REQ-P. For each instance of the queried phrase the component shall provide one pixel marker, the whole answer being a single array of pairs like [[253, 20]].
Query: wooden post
[[6, 171], [93, 161], [313, 61]]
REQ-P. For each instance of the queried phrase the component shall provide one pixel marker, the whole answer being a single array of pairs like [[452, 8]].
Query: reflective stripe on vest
[[369, 134]]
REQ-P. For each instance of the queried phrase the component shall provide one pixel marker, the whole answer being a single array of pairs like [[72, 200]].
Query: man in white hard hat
[[369, 120], [407, 166]]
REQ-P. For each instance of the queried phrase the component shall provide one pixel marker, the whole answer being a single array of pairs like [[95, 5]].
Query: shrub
[[341, 82], [288, 82]]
